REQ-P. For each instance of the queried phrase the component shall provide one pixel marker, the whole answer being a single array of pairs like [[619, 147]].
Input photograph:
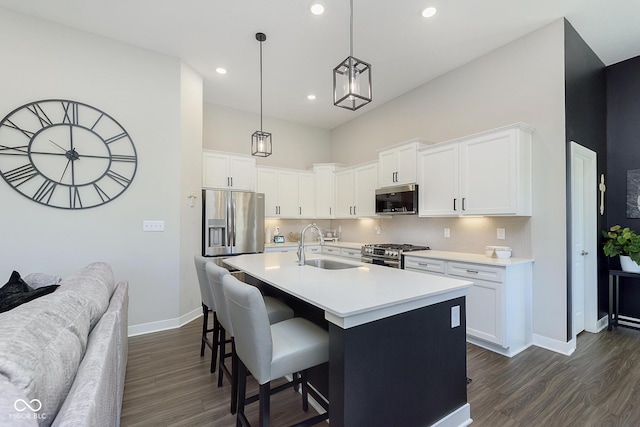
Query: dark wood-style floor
[[168, 384]]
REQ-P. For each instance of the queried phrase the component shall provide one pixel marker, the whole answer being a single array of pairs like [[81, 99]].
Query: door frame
[[590, 209]]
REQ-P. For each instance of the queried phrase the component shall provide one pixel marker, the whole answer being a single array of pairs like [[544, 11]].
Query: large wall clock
[[66, 154]]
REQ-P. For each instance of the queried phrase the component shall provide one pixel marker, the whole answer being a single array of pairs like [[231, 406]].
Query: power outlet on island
[[455, 316]]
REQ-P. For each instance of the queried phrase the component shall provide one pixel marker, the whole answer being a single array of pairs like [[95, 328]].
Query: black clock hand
[[65, 169], [57, 145]]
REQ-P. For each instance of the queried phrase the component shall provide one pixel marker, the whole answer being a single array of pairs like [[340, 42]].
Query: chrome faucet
[[301, 257]]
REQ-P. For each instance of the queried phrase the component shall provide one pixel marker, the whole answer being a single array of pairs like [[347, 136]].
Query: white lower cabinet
[[351, 253], [498, 305]]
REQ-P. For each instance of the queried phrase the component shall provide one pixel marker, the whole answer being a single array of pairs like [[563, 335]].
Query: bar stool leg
[[234, 377], [265, 404], [221, 341], [241, 419], [205, 325], [214, 339]]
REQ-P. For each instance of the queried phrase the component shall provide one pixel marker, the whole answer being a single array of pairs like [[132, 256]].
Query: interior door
[[584, 236]]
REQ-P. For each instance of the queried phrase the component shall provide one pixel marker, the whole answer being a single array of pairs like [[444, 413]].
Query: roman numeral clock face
[[66, 154]]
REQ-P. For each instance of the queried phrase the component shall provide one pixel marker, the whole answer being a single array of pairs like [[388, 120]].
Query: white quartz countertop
[[354, 296], [467, 257]]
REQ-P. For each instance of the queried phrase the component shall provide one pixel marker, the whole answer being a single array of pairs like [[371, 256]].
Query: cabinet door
[[324, 179], [288, 193], [242, 173], [215, 170], [344, 193], [484, 312], [406, 165], [488, 174], [365, 184], [438, 182], [306, 195], [388, 162], [267, 183]]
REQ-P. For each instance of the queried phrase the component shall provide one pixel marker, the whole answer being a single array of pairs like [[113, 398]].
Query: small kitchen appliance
[[388, 254]]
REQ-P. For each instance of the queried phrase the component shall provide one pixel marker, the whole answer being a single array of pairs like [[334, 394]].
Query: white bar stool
[[271, 351], [208, 304], [277, 311]]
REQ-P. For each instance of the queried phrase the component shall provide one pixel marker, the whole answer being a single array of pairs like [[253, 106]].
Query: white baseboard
[[509, 352], [603, 322], [461, 417], [163, 325], [566, 348]]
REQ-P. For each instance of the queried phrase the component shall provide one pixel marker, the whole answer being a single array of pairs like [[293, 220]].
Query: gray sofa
[[63, 356]]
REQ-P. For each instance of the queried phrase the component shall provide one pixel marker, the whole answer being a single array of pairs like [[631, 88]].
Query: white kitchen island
[[397, 338]]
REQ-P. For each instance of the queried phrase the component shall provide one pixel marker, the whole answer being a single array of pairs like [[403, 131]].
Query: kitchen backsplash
[[466, 234]]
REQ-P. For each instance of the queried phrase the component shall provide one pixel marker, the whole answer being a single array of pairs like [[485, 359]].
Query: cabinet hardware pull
[[232, 181], [329, 211], [423, 264], [454, 204], [473, 271], [464, 208], [354, 210], [300, 210]]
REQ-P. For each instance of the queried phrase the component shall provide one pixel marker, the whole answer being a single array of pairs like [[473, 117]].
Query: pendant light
[[351, 78], [261, 141]]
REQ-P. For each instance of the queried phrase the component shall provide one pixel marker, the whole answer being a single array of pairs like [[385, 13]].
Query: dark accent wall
[[585, 115], [623, 153]]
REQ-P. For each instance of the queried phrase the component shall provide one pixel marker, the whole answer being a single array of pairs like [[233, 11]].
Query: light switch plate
[[152, 225], [501, 234], [447, 232], [455, 316]]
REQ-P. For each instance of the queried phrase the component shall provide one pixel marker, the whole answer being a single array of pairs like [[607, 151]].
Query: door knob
[[583, 253]]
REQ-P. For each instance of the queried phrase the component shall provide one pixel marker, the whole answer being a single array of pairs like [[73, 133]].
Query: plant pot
[[629, 265]]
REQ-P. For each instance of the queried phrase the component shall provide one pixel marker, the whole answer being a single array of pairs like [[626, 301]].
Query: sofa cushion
[[16, 292], [39, 280], [42, 342]]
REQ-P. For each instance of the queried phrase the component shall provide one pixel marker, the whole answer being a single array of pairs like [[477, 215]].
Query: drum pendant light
[[351, 78], [261, 141]]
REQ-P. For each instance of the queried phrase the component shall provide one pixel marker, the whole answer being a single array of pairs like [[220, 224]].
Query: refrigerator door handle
[[229, 221]]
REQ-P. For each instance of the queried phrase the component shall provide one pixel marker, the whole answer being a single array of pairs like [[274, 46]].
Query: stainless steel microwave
[[401, 200]]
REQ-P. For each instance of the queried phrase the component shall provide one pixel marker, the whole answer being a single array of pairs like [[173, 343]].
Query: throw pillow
[[16, 292]]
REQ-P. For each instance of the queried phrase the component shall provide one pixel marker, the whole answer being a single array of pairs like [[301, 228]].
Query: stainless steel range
[[389, 254]]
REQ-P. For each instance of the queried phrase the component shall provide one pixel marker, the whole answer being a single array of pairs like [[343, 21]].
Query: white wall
[[520, 82], [140, 89], [191, 183], [294, 145]]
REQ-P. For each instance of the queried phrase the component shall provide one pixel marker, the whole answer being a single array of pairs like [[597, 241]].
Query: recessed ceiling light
[[316, 7], [428, 12], [311, 97], [221, 70]]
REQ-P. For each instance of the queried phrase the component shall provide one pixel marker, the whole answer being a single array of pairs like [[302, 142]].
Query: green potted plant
[[625, 243]]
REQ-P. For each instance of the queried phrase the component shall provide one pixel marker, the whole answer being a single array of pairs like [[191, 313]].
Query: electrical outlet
[[447, 232], [152, 225], [501, 234], [455, 316], [377, 229]]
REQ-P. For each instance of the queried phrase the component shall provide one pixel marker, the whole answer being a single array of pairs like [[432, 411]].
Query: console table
[[614, 279]]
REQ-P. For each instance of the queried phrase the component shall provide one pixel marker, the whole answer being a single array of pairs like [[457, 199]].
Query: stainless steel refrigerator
[[232, 223]]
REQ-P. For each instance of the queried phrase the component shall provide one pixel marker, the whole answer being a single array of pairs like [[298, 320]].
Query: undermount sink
[[328, 264]]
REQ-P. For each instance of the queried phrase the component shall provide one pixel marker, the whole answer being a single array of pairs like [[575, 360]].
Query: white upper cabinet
[[325, 190], [288, 193], [306, 194], [398, 164], [355, 191], [228, 171], [484, 174], [438, 181]]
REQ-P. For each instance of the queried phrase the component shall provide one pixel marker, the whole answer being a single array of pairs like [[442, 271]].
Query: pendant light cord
[[350, 27], [261, 86]]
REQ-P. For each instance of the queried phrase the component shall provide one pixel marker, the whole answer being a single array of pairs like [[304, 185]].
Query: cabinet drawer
[[475, 271], [314, 249], [423, 264], [351, 253], [331, 250]]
